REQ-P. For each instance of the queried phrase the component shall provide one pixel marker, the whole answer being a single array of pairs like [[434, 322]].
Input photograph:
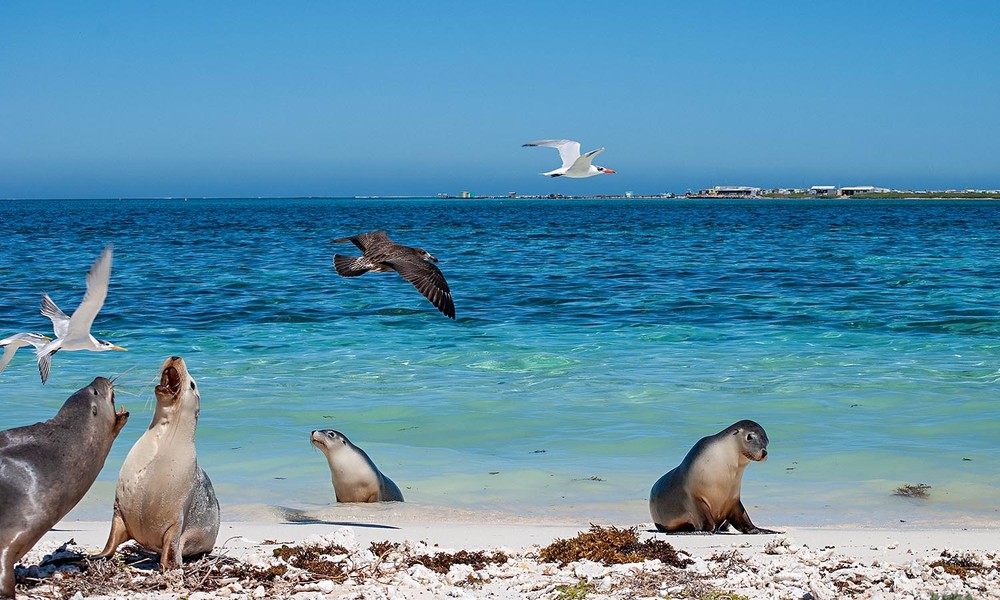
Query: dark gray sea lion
[[355, 476], [703, 492], [46, 468], [164, 500], [416, 265]]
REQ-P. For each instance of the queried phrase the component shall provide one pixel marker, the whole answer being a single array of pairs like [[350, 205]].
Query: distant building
[[858, 189], [823, 190], [628, 194], [734, 191], [466, 195]]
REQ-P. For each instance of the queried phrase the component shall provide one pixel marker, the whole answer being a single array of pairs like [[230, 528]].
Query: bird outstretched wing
[[366, 240], [569, 150], [18, 340], [97, 290], [60, 320], [428, 279], [582, 165]]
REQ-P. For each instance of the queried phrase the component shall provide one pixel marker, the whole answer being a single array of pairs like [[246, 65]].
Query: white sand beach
[[802, 562]]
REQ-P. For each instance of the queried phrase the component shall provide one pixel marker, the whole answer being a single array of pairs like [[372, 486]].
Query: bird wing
[[8, 353], [18, 340], [428, 280], [60, 320], [44, 355], [582, 164], [569, 150], [97, 290], [365, 240]]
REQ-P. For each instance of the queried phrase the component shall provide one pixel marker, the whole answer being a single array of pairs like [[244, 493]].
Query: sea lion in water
[[46, 468], [355, 476], [703, 492], [164, 500]]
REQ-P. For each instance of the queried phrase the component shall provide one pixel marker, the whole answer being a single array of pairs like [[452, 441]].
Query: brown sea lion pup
[[703, 492], [46, 468], [164, 500], [355, 476]]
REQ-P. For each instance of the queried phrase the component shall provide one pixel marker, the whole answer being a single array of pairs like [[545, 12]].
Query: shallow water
[[596, 342]]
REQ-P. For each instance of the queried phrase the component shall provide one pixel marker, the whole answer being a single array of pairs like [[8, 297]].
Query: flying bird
[[73, 333], [416, 265], [573, 165], [19, 340]]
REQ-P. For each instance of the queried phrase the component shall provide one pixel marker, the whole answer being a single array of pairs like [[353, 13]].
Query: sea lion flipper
[[741, 521], [118, 536]]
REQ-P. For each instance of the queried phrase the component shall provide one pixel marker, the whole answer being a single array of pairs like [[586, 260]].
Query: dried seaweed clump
[[611, 546], [134, 570], [913, 491], [316, 559], [441, 562], [962, 565]]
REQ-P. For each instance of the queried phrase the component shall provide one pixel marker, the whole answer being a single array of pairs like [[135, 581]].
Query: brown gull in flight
[[416, 265]]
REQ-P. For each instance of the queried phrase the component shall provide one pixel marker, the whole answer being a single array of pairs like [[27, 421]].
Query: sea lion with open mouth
[[164, 500], [47, 468]]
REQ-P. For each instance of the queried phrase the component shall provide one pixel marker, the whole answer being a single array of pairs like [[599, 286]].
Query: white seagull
[[574, 165], [73, 333], [19, 340]]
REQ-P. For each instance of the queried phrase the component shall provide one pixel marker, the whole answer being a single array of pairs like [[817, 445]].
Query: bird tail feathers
[[350, 266]]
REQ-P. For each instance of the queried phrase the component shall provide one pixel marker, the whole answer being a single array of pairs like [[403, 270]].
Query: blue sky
[[126, 99]]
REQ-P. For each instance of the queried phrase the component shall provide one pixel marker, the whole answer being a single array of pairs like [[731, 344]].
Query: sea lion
[[703, 492], [46, 468], [355, 476], [164, 500]]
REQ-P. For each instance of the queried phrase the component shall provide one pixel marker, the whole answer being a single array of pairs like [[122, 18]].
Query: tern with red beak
[[574, 165]]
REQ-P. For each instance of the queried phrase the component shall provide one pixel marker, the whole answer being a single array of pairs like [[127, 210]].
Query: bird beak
[[609, 171], [113, 347]]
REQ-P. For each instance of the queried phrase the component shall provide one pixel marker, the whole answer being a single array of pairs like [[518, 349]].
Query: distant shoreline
[[667, 196]]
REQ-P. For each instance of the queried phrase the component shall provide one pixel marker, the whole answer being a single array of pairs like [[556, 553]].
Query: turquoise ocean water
[[596, 341]]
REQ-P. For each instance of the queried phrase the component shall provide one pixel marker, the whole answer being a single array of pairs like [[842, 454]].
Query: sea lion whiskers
[[114, 378]]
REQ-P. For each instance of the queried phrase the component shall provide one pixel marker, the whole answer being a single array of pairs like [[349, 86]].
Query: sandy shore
[[818, 563]]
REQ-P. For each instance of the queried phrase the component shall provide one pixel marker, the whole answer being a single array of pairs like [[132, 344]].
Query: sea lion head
[[96, 404], [751, 438], [329, 440], [177, 391]]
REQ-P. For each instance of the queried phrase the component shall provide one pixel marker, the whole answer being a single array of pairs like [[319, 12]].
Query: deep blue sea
[[596, 342]]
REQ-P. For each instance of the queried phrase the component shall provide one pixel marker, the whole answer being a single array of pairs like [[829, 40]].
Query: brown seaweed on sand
[[913, 490], [610, 546]]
